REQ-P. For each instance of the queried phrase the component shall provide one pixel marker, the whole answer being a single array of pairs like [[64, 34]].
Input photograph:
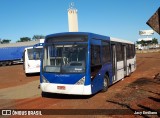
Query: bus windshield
[[65, 58]]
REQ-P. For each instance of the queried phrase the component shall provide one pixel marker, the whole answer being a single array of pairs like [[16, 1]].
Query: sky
[[115, 18]]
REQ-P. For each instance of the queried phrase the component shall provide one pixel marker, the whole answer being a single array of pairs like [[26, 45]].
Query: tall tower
[[72, 18]]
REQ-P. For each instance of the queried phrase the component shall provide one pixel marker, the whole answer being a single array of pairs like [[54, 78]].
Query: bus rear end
[[65, 65], [32, 60]]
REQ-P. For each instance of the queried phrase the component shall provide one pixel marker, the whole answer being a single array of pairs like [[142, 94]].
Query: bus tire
[[0, 63], [10, 63], [4, 64], [45, 94], [105, 83], [27, 74]]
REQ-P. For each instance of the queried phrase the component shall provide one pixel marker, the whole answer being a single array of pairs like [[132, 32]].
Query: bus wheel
[[9, 63], [46, 95], [4, 64], [105, 83], [43, 94]]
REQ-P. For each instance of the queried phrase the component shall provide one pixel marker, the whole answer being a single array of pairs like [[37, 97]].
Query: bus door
[[114, 63], [125, 60]]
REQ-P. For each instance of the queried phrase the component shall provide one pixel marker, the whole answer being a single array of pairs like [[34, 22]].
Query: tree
[[142, 42], [154, 41], [138, 42], [36, 37], [24, 39], [4, 41]]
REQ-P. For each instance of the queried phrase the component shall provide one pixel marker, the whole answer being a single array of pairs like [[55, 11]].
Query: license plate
[[61, 87]]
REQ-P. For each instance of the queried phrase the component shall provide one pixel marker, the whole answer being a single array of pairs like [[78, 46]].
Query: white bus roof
[[121, 40]]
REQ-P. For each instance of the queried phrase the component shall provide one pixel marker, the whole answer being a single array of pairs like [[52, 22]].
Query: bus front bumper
[[66, 89]]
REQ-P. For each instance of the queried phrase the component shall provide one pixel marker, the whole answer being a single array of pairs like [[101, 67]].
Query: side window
[[95, 55], [92, 55], [119, 52], [106, 56], [130, 51], [133, 47]]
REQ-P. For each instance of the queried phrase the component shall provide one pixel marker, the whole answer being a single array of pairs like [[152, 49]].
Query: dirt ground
[[135, 94]]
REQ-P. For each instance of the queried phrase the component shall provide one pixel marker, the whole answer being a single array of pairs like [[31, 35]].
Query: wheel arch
[[107, 73]]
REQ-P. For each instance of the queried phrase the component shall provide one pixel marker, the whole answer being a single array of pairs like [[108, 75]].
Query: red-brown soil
[[139, 92]]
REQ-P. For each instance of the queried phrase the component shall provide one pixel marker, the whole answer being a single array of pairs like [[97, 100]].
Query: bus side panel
[[97, 82], [107, 69], [120, 70], [131, 65]]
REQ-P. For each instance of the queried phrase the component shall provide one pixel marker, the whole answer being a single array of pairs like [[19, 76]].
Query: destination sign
[[66, 39]]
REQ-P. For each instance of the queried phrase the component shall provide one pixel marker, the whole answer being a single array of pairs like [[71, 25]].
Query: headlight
[[44, 80], [81, 81]]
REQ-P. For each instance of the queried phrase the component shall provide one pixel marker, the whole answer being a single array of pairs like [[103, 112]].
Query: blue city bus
[[83, 63]]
